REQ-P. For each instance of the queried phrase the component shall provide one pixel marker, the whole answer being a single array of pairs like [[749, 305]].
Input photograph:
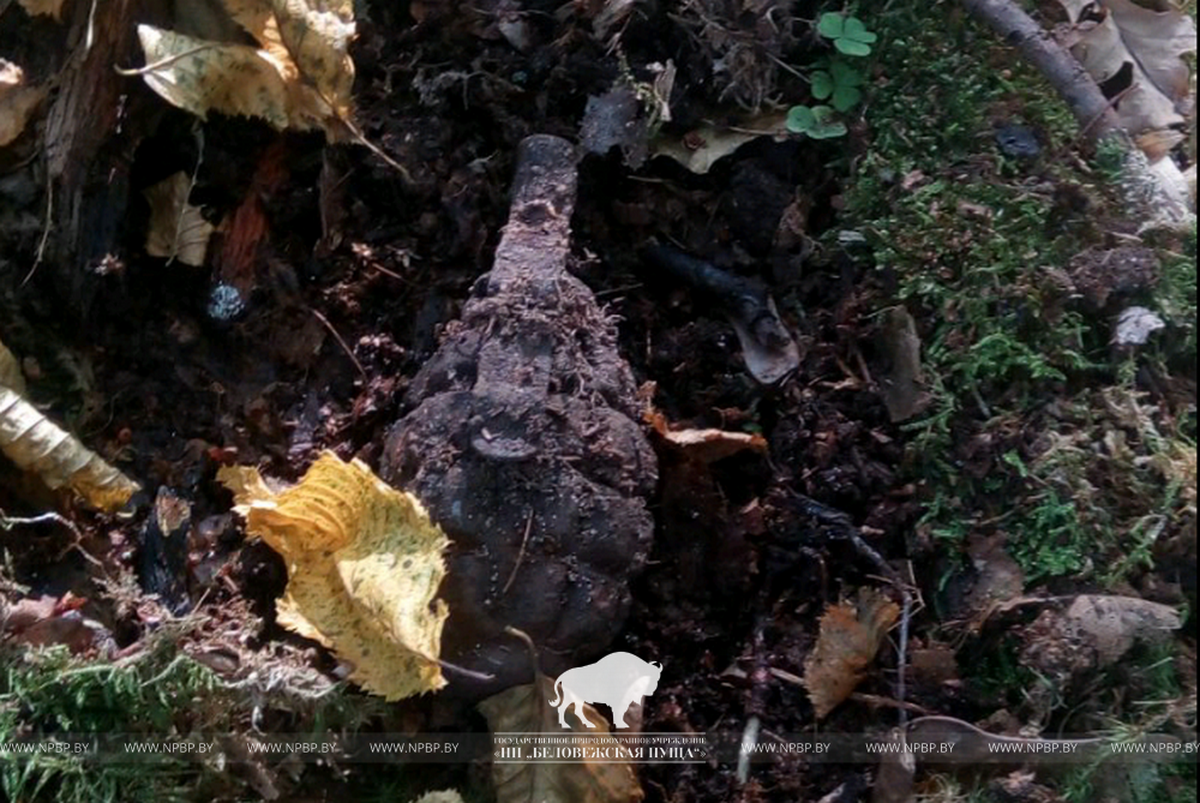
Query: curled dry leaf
[[704, 445], [299, 77], [526, 709], [851, 635], [177, 230], [364, 564], [38, 445], [1109, 36]]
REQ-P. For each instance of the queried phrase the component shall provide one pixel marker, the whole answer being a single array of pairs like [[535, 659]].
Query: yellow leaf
[[177, 230], [300, 76], [526, 709], [38, 445], [319, 43], [200, 76], [364, 565]]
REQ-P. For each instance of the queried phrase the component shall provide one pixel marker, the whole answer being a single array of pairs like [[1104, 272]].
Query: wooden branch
[[1094, 112]]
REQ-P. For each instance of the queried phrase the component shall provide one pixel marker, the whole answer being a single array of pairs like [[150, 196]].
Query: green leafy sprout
[[848, 34], [815, 121], [839, 82], [835, 79]]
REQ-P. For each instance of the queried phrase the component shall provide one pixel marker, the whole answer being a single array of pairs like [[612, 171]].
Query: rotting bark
[[1087, 103], [522, 442], [86, 152]]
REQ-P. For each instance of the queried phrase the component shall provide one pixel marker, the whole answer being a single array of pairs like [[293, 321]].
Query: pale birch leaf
[[38, 445]]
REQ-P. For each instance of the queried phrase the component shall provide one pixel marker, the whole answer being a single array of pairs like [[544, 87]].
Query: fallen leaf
[[526, 709], [364, 564], [1112, 35], [700, 148], [177, 230], [11, 376], [48, 8], [1135, 325], [998, 577], [851, 635], [1111, 625], [38, 445], [17, 101], [704, 445], [614, 119], [299, 77], [45, 621], [901, 385]]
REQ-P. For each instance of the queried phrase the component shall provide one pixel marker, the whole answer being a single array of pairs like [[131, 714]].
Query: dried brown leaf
[[177, 229], [38, 445], [1150, 43], [1112, 624], [850, 637], [700, 148]]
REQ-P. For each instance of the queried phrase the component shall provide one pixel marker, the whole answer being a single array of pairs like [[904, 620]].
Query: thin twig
[[520, 555], [373, 148], [887, 702], [338, 338], [41, 249], [165, 62], [842, 521], [8, 522]]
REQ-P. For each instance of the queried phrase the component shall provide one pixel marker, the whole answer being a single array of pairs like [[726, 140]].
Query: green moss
[[972, 241]]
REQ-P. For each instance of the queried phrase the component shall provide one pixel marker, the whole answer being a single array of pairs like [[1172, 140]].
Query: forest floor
[[962, 439]]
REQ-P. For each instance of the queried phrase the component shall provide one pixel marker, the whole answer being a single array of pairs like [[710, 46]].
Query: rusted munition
[[523, 443]]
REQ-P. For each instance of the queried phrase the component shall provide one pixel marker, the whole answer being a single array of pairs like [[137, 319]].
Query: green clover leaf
[[816, 122], [850, 36], [823, 84]]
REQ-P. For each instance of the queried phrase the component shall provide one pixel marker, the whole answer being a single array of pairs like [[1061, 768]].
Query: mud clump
[[522, 442]]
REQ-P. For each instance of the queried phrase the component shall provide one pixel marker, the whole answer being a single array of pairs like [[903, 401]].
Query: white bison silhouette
[[618, 680]]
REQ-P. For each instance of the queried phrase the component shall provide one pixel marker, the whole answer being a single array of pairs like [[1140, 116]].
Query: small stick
[[338, 338], [520, 555]]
